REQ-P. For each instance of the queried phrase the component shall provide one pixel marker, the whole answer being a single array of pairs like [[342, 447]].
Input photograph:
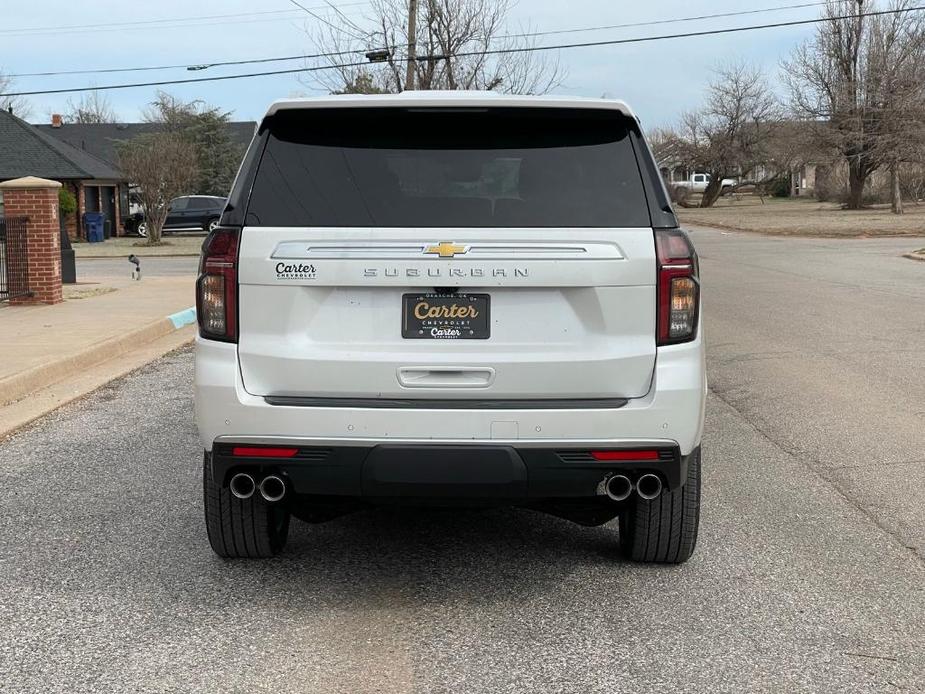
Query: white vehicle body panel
[[672, 411], [572, 312], [333, 331], [449, 99]]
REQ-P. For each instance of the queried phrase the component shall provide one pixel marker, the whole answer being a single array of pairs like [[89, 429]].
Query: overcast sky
[[659, 79]]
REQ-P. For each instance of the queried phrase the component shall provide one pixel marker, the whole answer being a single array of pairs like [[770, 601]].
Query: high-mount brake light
[[678, 287], [217, 286]]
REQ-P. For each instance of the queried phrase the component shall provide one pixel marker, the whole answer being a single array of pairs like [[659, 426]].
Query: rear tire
[[242, 528], [664, 530]]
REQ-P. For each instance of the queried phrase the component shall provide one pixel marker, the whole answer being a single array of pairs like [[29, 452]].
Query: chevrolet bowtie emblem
[[445, 249]]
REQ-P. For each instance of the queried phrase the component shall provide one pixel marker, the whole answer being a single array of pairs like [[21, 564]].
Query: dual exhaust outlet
[[617, 487], [244, 486], [621, 487]]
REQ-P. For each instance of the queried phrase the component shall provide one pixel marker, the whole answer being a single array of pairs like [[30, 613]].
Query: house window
[[1, 203]]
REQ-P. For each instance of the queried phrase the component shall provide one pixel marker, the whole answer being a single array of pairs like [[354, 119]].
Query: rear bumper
[[671, 413], [510, 471]]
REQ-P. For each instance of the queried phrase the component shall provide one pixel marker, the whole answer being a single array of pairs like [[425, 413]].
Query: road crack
[[816, 467]]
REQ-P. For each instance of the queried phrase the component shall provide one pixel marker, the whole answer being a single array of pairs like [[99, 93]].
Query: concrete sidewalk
[[50, 355]]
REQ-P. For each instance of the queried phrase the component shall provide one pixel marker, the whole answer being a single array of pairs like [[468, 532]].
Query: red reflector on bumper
[[624, 455], [256, 452]]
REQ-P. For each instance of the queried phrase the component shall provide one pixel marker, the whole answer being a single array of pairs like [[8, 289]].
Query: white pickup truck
[[698, 182]]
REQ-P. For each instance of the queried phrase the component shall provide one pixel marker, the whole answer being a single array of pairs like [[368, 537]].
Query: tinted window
[[178, 204], [440, 168], [199, 203]]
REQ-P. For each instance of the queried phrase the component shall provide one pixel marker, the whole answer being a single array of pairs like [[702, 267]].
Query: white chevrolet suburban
[[450, 299]]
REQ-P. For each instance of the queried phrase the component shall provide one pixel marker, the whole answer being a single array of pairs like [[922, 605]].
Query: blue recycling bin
[[93, 226]]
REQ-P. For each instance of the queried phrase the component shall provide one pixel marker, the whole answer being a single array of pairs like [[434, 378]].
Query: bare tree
[[163, 166], [844, 80], [451, 39], [897, 57], [91, 107], [730, 135], [663, 142], [17, 105]]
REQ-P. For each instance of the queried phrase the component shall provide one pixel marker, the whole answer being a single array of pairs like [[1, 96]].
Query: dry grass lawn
[[806, 218], [74, 292]]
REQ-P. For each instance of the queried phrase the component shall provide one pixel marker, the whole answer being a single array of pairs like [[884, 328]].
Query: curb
[[40, 403], [22, 384], [915, 256]]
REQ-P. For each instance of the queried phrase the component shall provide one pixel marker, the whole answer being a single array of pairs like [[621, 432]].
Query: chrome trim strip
[[449, 403], [371, 250]]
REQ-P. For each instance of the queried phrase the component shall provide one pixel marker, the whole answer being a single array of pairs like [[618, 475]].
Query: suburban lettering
[[436, 272]]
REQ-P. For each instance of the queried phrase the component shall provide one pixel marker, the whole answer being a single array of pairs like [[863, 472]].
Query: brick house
[[101, 140], [98, 185]]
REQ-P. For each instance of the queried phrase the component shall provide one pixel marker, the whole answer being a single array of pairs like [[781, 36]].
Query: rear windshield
[[448, 168]]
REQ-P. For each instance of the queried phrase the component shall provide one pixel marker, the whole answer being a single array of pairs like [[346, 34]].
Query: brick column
[[37, 200]]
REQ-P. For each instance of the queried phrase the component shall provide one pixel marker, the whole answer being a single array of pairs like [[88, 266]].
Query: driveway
[[808, 578]]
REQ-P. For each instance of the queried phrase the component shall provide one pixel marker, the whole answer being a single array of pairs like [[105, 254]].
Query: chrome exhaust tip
[[242, 485], [272, 488], [649, 486], [618, 487]]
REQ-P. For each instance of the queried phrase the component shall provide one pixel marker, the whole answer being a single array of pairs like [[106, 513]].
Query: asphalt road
[[153, 266], [809, 576]]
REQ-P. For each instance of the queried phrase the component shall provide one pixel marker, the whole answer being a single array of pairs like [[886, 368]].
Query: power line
[[159, 27], [190, 66], [500, 51], [325, 21], [358, 52], [169, 20], [347, 19], [192, 80], [665, 37], [206, 20], [655, 22]]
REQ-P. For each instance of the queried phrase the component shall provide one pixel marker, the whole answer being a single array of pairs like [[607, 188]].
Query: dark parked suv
[[190, 213]]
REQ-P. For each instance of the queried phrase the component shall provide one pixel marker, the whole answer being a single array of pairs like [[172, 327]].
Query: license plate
[[446, 316]]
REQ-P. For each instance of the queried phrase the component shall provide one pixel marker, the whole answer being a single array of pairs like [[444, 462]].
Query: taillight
[[217, 286], [678, 287], [264, 452]]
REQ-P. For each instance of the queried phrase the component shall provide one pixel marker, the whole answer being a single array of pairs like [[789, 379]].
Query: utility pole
[[412, 43]]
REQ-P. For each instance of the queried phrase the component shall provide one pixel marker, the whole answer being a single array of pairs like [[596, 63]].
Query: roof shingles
[[27, 151], [102, 139]]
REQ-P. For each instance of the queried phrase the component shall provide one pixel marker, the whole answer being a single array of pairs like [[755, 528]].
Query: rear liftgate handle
[[445, 377]]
